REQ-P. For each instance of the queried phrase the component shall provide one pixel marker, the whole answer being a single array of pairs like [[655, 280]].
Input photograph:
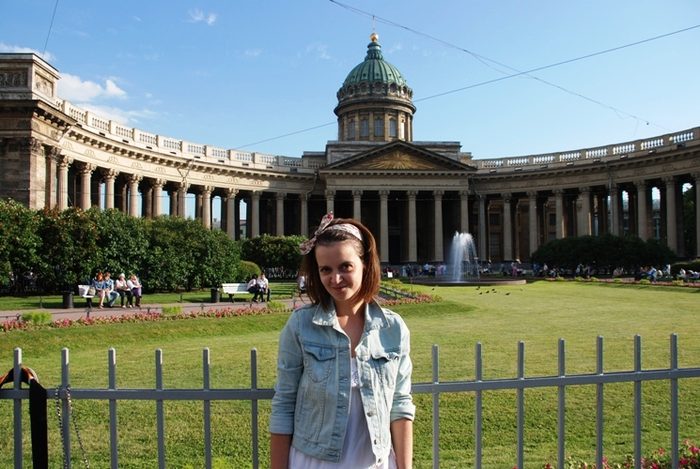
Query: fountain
[[463, 261], [463, 268]]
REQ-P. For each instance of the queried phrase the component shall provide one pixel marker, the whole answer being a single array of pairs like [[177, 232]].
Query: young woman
[[342, 396]]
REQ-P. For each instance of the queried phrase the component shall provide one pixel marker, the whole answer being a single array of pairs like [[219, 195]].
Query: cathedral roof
[[374, 68]]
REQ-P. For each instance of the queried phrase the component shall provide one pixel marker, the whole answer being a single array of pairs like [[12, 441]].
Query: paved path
[[80, 310]]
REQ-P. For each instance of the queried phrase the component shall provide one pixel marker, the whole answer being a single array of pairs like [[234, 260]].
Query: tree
[[19, 245], [273, 252]]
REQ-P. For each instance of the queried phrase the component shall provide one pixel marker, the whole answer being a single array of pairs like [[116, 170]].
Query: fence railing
[[65, 393]]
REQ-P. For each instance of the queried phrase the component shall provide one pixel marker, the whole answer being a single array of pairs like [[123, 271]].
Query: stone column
[[357, 205], [134, 180], [438, 252], [615, 209], [254, 226], [584, 214], [559, 211], [642, 221], [304, 212], [231, 212], [157, 195], [109, 176], [181, 199], [532, 221], [384, 226], [174, 205], [51, 155], [483, 248], [147, 202], [206, 206], [85, 175], [330, 199], [63, 163], [412, 227], [507, 227], [280, 196], [671, 231], [464, 211]]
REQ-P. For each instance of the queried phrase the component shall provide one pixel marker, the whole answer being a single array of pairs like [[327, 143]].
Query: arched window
[[392, 128], [364, 128], [351, 129], [379, 126]]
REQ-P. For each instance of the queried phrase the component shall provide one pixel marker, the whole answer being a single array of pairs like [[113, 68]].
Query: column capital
[[87, 168], [558, 192], [668, 180], [280, 195], [357, 193], [35, 145], [411, 194], [231, 193], [640, 183], [255, 195], [183, 186], [52, 152], [159, 183], [695, 176], [109, 174], [207, 190], [329, 193], [532, 194], [135, 178], [438, 193], [384, 193], [507, 196], [584, 189], [613, 189], [304, 196], [463, 194]]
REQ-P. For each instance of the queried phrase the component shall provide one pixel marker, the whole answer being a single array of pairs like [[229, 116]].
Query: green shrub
[[645, 281], [247, 269], [172, 310], [277, 306], [37, 318]]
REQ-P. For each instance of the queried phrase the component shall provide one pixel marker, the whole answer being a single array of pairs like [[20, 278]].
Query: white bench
[[84, 292], [234, 288]]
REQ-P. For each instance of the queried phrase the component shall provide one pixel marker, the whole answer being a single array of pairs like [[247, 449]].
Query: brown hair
[[366, 250]]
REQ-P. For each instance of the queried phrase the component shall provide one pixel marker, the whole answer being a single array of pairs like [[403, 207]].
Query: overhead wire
[[487, 62], [48, 34]]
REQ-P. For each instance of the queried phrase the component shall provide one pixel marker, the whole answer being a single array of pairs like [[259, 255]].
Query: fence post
[[637, 403], [561, 432], [206, 385], [65, 407], [254, 406], [17, 370], [113, 419], [160, 417], [599, 404], [436, 407], [479, 407], [674, 401], [520, 393]]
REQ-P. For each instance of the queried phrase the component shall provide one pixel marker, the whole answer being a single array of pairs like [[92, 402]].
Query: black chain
[[66, 463]]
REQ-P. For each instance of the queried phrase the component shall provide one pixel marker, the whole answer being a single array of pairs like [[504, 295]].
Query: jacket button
[[370, 414]]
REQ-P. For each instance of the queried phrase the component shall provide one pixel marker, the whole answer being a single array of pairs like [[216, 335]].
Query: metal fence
[[66, 394]]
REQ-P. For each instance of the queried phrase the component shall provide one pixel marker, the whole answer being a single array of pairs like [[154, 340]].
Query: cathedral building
[[413, 195]]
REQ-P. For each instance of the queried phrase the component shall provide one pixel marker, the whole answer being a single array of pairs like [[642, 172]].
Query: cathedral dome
[[375, 103], [374, 68]]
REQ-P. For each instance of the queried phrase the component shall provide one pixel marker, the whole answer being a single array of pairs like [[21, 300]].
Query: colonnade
[[411, 225]]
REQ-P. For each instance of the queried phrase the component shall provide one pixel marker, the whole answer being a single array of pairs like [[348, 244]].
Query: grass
[[538, 314]]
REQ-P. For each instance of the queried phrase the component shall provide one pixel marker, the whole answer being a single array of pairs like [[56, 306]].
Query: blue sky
[[233, 73]]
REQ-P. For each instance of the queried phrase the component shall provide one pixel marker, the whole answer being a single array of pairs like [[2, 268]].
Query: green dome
[[374, 68]]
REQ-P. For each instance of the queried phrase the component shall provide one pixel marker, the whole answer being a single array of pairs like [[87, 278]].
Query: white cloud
[[319, 50], [199, 16], [25, 50], [74, 89], [252, 52], [129, 118]]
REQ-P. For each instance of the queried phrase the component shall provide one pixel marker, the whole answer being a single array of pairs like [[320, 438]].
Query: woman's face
[[340, 270]]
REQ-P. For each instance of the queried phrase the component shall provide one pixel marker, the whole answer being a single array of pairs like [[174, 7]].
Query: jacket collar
[[374, 316]]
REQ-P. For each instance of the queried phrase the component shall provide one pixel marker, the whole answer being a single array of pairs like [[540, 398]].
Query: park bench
[[234, 288], [84, 292]]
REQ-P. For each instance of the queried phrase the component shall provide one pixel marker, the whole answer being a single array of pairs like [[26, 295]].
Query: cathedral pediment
[[399, 157]]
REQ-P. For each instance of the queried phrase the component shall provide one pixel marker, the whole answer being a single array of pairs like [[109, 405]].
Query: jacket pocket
[[318, 361]]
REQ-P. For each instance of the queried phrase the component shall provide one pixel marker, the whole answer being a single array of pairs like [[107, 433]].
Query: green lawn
[[538, 314]]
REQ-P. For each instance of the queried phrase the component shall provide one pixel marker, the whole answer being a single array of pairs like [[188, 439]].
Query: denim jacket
[[312, 391]]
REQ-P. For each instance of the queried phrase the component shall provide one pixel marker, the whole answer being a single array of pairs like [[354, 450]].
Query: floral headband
[[307, 246]]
